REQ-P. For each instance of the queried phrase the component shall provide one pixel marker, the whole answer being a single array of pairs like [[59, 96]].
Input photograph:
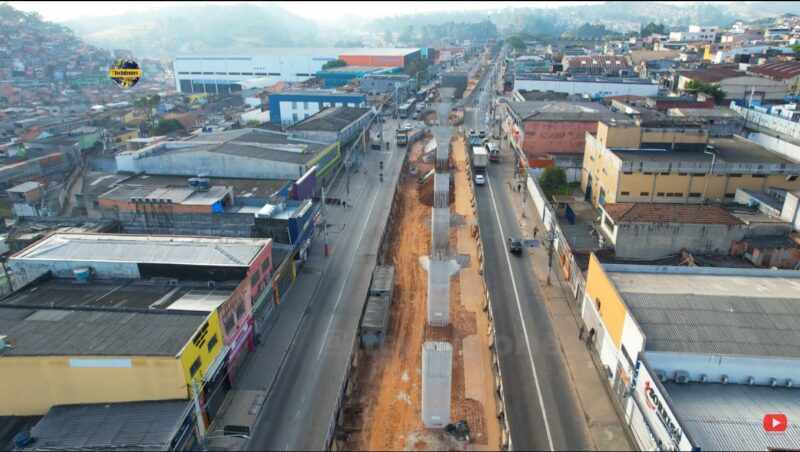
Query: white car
[[480, 179]]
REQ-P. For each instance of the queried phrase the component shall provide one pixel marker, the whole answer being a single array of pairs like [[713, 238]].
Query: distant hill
[[34, 50], [192, 28]]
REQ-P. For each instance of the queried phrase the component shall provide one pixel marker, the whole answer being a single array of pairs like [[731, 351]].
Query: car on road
[[480, 179], [514, 246], [482, 134]]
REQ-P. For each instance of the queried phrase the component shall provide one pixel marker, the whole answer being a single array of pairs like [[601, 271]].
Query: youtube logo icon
[[775, 422]]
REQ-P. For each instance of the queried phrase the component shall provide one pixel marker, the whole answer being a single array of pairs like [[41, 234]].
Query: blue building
[[340, 76], [289, 107]]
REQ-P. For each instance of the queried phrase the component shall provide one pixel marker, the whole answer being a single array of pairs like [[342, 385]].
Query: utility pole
[[551, 236], [324, 223]]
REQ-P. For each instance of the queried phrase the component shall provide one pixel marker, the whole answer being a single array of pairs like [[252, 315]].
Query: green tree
[[166, 126], [706, 88], [552, 180], [654, 29], [333, 64], [516, 43], [796, 49]]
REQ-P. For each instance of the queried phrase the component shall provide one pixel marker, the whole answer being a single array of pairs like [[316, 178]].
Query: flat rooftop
[[75, 332], [149, 425], [294, 51], [562, 111], [151, 249], [253, 143], [242, 188], [730, 417], [331, 119], [713, 310], [184, 195], [728, 150]]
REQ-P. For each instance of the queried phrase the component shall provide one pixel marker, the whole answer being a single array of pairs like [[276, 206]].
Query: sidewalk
[[606, 429]]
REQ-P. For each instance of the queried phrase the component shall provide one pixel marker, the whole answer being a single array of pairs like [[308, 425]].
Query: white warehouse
[[225, 73]]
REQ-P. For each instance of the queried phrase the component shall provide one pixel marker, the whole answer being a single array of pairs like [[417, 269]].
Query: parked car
[[514, 246]]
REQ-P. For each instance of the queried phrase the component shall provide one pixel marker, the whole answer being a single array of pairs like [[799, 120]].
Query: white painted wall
[[737, 368], [791, 210], [590, 88]]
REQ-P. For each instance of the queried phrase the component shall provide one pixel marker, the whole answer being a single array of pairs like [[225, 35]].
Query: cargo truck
[[480, 158]]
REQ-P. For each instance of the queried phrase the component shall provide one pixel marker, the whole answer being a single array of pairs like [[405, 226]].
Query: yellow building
[[675, 161], [76, 356]]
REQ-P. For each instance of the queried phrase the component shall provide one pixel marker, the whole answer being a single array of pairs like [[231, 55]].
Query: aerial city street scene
[[327, 226]]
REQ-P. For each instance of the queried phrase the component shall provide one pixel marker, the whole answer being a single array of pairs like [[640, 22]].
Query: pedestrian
[[590, 339], [581, 331], [535, 232]]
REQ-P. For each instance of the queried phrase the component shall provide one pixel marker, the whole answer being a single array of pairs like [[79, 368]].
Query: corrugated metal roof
[[725, 324], [67, 332], [131, 425], [729, 417], [144, 249]]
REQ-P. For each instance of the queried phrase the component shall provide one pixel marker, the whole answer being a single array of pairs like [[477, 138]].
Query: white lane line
[[521, 319], [344, 283]]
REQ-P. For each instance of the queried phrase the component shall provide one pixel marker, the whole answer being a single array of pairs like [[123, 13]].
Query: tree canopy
[[654, 29], [333, 64], [516, 43], [706, 88]]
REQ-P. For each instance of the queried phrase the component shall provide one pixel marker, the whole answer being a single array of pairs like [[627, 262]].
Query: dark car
[[514, 246]]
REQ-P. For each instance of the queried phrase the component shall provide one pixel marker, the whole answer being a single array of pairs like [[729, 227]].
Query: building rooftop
[[77, 332], [781, 71], [712, 74], [380, 51], [147, 425], [242, 188], [96, 182], [730, 417], [252, 143], [669, 213], [120, 294], [25, 187], [713, 310], [331, 119], [562, 111], [728, 150], [153, 249], [316, 93], [717, 112]]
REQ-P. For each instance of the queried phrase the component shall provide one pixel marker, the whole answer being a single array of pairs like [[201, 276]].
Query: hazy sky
[[319, 11]]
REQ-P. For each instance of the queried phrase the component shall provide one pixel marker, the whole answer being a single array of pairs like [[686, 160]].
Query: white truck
[[480, 158]]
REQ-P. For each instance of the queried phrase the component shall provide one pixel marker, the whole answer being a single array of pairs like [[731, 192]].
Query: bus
[[406, 109]]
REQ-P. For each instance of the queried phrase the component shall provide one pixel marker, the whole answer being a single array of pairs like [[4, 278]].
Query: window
[[644, 193], [240, 311], [730, 195], [294, 117], [247, 73], [221, 73], [212, 342], [648, 173], [208, 73], [661, 193], [677, 195], [734, 175], [664, 173], [254, 278], [265, 265], [234, 73], [263, 74], [230, 322], [196, 73], [683, 174], [760, 176], [195, 366], [627, 172], [694, 195], [275, 74], [624, 193], [183, 73], [305, 105], [294, 105]]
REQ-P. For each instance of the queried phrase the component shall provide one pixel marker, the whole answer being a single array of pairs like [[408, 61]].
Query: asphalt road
[[298, 414], [542, 407]]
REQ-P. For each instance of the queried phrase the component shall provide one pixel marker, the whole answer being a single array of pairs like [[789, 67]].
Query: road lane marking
[[521, 318]]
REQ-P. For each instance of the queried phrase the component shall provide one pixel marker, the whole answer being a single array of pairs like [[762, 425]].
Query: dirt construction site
[[385, 403]]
